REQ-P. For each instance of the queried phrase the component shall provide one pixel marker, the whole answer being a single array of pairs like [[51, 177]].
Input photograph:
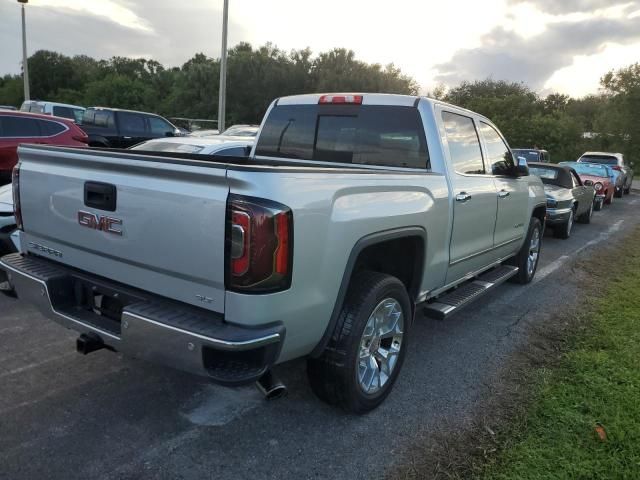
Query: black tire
[[609, 201], [563, 230], [586, 216], [333, 376], [627, 190], [597, 205], [521, 260], [618, 193]]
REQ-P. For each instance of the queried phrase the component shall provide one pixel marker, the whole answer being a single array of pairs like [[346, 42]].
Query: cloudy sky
[[552, 45]]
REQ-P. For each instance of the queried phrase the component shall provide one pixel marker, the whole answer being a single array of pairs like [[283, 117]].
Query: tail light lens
[[259, 245], [81, 138], [340, 99], [17, 209]]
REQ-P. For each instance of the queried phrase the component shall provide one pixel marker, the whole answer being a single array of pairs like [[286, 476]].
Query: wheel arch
[[365, 249]]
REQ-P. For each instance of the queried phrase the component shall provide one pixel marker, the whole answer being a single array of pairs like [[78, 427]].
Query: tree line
[[608, 120]]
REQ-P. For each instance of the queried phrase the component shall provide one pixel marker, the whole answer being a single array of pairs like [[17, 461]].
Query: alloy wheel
[[534, 252], [380, 346]]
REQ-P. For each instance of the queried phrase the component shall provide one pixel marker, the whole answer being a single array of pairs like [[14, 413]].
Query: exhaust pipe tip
[[271, 386]]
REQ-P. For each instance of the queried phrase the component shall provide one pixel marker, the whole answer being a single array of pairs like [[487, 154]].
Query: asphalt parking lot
[[65, 416]]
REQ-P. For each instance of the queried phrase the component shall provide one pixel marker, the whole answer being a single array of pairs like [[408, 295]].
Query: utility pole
[[25, 63], [222, 100]]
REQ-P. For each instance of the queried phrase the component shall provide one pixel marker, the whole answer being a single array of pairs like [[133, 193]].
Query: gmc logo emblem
[[99, 222]]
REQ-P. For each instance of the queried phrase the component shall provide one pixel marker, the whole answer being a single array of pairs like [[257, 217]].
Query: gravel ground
[[65, 416]]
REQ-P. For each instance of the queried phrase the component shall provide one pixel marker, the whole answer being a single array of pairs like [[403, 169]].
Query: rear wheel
[[627, 190], [365, 353], [527, 258], [618, 192], [586, 216]]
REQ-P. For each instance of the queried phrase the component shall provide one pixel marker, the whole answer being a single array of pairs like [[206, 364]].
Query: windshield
[[529, 155], [172, 147], [603, 159], [544, 173], [241, 131], [592, 169]]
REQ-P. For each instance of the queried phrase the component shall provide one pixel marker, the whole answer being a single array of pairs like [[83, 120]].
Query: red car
[[22, 127], [600, 176]]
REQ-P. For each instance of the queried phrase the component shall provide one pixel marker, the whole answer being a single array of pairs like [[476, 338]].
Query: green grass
[[597, 382]]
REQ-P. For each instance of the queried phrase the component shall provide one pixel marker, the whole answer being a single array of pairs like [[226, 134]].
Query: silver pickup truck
[[351, 213]]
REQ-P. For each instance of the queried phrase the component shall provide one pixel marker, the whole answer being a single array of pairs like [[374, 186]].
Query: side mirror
[[522, 168]]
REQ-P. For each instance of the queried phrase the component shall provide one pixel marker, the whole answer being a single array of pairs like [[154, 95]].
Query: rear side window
[[104, 118], [131, 123], [18, 127], [89, 117], [365, 134], [499, 156], [464, 145], [49, 129]]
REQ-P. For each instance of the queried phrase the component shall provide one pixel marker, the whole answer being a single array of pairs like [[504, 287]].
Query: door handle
[[463, 197], [127, 138], [503, 194]]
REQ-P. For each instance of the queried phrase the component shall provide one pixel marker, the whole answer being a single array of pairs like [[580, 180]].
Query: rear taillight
[[341, 99], [259, 245], [17, 209], [618, 168]]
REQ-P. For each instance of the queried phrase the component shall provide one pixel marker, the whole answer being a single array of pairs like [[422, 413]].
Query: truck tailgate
[[167, 231]]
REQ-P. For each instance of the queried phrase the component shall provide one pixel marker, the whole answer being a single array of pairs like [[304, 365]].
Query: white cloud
[[583, 75], [109, 9]]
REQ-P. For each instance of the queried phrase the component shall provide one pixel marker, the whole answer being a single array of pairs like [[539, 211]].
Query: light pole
[[222, 100], [25, 63]]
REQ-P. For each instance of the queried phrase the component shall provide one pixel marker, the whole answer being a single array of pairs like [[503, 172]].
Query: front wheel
[[527, 258], [365, 353], [564, 229], [586, 216], [597, 205]]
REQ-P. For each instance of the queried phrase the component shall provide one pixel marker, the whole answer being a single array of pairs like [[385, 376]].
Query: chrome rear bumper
[[143, 325]]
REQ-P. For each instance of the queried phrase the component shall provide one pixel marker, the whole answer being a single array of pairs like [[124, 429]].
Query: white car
[[218, 145], [72, 112]]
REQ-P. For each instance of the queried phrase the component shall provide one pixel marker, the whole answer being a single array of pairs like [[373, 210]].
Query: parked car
[[532, 154], [242, 131], [615, 161], [64, 110], [204, 133], [568, 199], [602, 178], [353, 212], [115, 128], [220, 145], [21, 127], [7, 227], [8, 107]]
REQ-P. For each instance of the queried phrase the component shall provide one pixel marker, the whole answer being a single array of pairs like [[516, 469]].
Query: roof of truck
[[370, 99]]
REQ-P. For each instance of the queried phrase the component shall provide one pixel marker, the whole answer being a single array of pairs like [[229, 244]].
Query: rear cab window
[[382, 135]]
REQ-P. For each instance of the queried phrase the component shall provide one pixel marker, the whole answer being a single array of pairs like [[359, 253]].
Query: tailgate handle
[[100, 195]]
